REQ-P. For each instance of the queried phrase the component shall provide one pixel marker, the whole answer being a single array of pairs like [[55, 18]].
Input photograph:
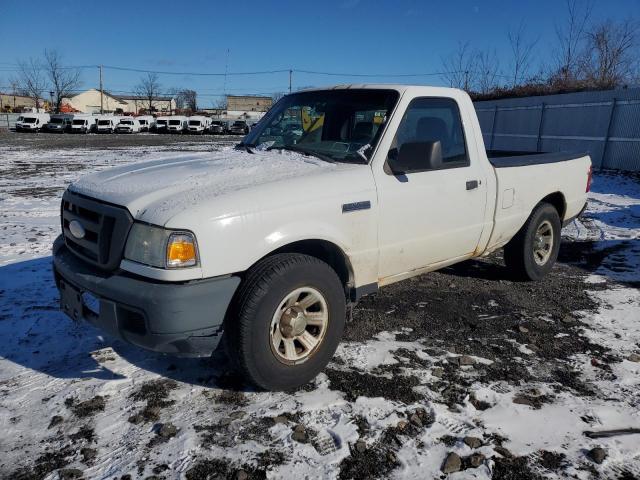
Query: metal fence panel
[[605, 124], [8, 120]]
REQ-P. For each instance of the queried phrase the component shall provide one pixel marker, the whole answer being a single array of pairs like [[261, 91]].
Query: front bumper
[[184, 319]]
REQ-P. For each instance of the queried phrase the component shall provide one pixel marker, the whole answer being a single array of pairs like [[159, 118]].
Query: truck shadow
[[616, 260], [36, 336]]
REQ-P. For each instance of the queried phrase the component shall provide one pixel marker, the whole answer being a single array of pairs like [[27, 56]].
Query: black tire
[[247, 326], [519, 254]]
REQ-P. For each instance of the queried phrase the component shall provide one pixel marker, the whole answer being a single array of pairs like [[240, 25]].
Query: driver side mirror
[[415, 157]]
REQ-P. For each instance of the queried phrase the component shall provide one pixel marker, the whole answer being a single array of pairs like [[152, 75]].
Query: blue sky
[[351, 36]]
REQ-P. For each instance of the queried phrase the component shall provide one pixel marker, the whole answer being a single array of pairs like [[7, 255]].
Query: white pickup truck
[[335, 193]]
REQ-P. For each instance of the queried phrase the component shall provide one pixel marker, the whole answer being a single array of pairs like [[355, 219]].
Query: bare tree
[[221, 103], [31, 80], [64, 80], [187, 99], [459, 68], [522, 54], [277, 96], [149, 89], [487, 71], [612, 56], [570, 38]]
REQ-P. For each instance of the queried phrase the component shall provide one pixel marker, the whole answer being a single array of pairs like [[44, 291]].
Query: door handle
[[472, 184]]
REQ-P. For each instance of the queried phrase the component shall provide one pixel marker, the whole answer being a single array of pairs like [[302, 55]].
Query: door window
[[435, 119]]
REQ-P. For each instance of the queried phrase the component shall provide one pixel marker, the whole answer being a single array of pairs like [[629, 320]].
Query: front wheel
[[531, 254], [286, 321]]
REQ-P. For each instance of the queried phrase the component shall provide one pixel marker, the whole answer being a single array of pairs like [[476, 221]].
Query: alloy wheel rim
[[299, 325], [543, 243]]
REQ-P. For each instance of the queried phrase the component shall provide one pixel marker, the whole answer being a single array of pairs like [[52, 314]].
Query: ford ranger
[[335, 194]]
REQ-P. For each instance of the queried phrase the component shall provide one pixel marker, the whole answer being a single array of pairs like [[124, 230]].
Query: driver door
[[430, 216]]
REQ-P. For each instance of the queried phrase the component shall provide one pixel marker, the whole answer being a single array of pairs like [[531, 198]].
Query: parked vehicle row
[[87, 123]]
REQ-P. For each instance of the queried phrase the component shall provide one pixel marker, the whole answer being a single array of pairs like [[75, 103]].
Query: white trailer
[[177, 124], [84, 124], [199, 124], [147, 122], [32, 122], [128, 125]]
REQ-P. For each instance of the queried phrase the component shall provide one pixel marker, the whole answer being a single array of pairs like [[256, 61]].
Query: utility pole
[[290, 74], [101, 105]]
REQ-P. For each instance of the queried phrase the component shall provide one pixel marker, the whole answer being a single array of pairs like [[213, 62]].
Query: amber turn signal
[[181, 250]]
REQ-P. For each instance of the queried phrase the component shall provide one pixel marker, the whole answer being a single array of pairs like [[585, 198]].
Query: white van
[[162, 123], [177, 124], [199, 124], [32, 122], [128, 125], [59, 123], [107, 124], [147, 122], [84, 124]]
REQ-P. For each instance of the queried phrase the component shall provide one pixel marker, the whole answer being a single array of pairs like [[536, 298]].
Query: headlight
[[161, 248]]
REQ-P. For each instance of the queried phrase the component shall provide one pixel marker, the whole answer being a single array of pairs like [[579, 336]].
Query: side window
[[435, 120]]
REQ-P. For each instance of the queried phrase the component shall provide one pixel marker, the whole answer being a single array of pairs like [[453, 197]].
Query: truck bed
[[506, 159]]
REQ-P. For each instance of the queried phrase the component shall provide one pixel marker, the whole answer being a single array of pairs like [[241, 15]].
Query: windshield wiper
[[291, 148]]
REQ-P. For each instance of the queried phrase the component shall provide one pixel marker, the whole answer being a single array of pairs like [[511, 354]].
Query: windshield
[[29, 120], [332, 123], [79, 122], [194, 123], [104, 122], [57, 120], [161, 122], [174, 122], [238, 124], [126, 122]]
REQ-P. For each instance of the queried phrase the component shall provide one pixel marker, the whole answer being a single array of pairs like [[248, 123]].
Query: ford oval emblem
[[76, 229]]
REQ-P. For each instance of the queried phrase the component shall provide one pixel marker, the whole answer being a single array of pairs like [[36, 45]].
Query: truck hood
[[157, 190]]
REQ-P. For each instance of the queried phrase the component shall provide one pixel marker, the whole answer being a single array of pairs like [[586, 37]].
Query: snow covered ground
[[508, 376]]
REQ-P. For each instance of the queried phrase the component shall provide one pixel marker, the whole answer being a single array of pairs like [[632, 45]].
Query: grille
[[106, 228]]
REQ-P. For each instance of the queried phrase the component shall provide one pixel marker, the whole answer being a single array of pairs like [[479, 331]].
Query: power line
[[260, 72], [195, 74], [338, 74]]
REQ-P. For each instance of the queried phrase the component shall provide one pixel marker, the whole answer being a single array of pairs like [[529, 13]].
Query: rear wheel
[[531, 254], [286, 321]]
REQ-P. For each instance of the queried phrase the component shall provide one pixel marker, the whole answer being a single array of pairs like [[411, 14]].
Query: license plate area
[[91, 303], [70, 300], [77, 304]]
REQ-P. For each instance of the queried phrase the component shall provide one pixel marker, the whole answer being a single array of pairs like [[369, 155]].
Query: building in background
[[137, 104], [89, 102], [10, 102], [249, 107]]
